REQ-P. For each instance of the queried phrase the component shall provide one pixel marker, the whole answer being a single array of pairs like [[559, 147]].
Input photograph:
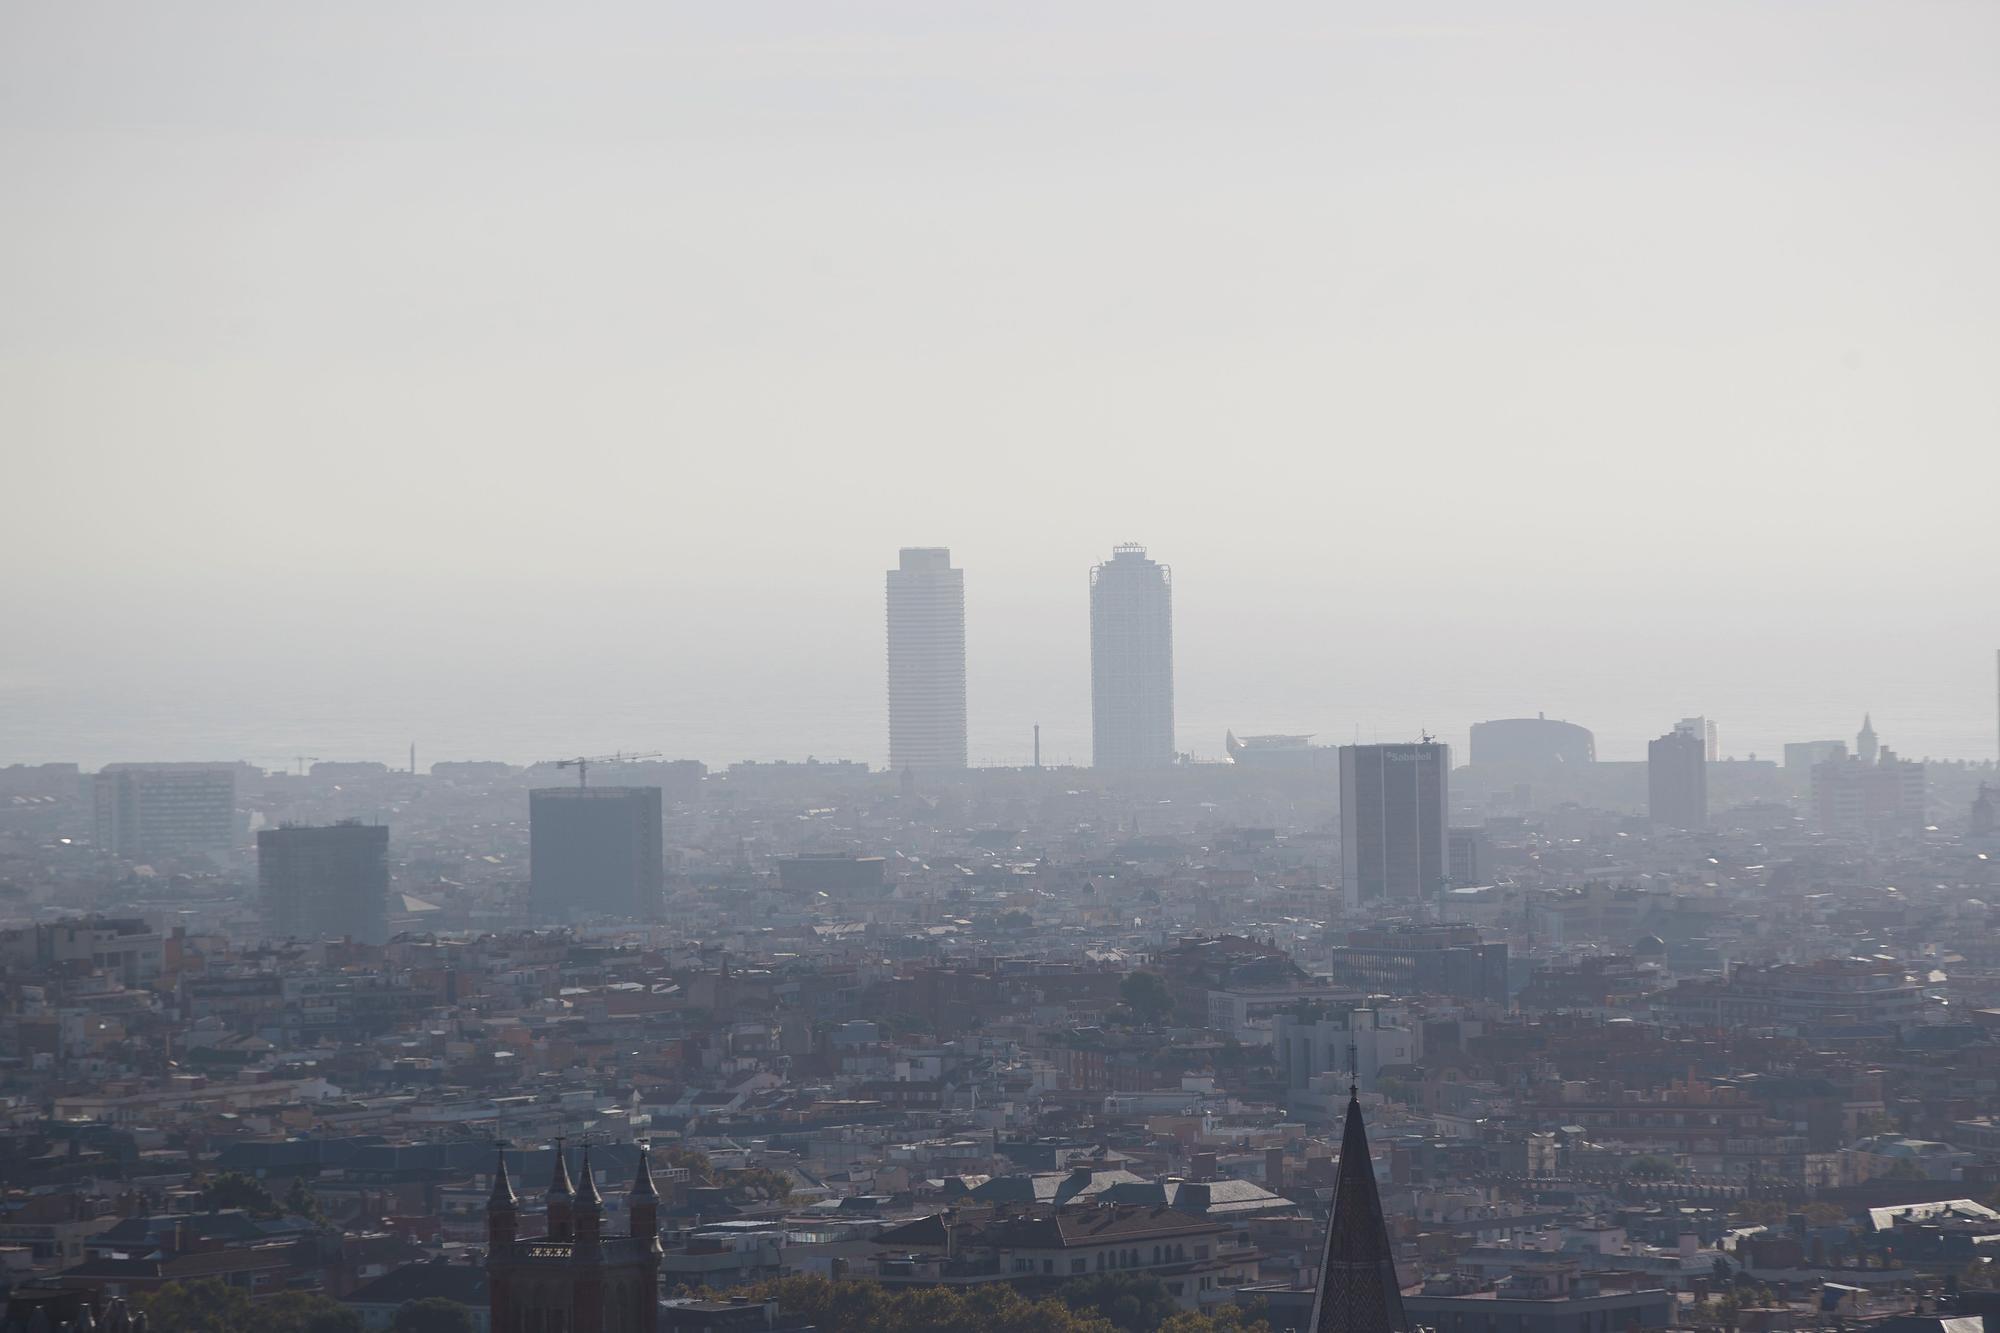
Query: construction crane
[[583, 762]]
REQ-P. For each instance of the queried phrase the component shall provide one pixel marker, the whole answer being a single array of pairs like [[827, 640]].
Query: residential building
[[1131, 661], [1355, 1045], [165, 809], [1443, 959]]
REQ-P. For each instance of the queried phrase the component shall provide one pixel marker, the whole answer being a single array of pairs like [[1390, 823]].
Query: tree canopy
[[1117, 1303], [233, 1189], [432, 1314], [1146, 995], [210, 1306]]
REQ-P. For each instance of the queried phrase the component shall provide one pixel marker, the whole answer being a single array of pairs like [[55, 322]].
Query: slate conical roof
[[1358, 1290], [503, 1187], [642, 1183], [560, 1188], [586, 1193]]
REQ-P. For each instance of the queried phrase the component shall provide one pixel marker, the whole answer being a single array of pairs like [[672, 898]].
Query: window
[[1048, 1267], [1077, 1265]]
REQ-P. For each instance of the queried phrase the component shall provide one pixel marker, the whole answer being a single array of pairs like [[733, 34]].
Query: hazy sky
[[527, 378]]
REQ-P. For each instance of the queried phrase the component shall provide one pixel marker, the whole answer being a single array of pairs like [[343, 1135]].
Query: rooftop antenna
[[1353, 1060]]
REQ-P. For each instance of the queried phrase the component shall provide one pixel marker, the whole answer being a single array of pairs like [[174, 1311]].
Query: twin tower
[[573, 1277], [1131, 661]]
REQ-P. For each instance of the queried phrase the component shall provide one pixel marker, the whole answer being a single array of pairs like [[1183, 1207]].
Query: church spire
[[561, 1197], [1358, 1288]]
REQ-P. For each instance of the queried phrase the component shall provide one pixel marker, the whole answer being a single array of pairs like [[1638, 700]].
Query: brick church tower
[[573, 1278]]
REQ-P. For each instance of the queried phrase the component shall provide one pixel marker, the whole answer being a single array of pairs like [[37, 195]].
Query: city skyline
[[836, 667], [1045, 284]]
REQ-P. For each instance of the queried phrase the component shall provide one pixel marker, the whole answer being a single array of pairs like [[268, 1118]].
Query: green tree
[[207, 1306], [1146, 995], [1904, 1169], [1135, 1303], [210, 1306], [868, 1307], [432, 1314], [1649, 1166], [233, 1189], [304, 1312], [1760, 1212], [299, 1201]]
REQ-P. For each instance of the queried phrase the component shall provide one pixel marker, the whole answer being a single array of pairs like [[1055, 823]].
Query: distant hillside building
[[595, 851], [1279, 753], [1805, 756], [835, 874], [1394, 802], [1677, 780], [1533, 742], [163, 809], [325, 883], [1880, 796]]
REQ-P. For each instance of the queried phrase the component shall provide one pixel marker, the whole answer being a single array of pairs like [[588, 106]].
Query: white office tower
[[926, 660], [1131, 661]]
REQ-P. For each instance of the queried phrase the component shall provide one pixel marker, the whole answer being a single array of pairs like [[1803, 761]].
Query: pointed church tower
[[561, 1198], [1865, 743], [1358, 1289], [503, 1210], [643, 1202], [587, 1214]]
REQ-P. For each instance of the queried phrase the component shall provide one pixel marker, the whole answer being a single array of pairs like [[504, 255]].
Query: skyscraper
[[595, 851], [325, 883], [1131, 661], [926, 660], [1677, 779], [1394, 804]]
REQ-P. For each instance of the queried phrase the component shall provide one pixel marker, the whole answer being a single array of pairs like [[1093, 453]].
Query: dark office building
[[330, 882], [1422, 960], [595, 851], [1468, 857], [1677, 781], [1394, 800]]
